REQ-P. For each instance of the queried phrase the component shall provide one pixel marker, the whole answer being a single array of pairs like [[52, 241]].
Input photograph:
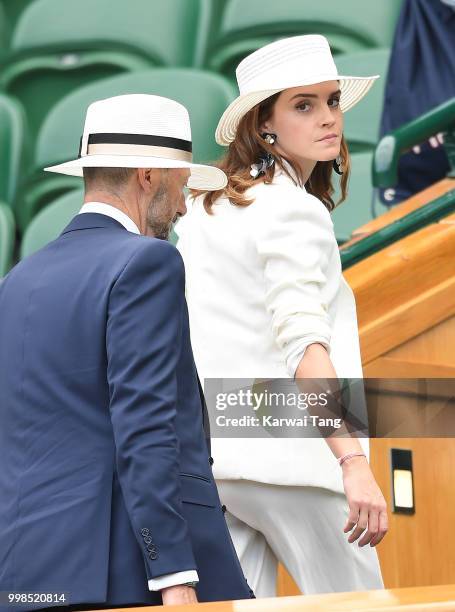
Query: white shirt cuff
[[162, 582]]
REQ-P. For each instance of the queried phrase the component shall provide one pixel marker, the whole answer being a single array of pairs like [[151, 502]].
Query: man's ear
[[148, 179]]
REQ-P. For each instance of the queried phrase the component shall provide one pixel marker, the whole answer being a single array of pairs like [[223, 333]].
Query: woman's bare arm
[[367, 506]]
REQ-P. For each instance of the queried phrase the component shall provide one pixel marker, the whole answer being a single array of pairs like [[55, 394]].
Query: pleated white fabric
[[301, 527]]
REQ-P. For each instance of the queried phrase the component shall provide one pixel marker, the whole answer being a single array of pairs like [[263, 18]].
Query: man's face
[[168, 202]]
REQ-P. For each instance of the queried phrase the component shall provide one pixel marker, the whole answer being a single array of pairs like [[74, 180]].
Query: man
[[106, 489]]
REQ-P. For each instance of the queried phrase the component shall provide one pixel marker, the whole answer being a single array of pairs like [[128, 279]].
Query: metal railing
[[385, 174]]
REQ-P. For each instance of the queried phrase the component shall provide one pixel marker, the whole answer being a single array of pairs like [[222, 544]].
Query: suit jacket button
[[145, 531], [223, 508], [151, 547], [211, 462], [148, 540], [153, 555]]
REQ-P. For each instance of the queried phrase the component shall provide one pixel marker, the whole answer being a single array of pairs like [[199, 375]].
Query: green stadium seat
[[51, 221], [7, 238], [4, 32], [356, 210], [56, 48], [13, 10], [12, 147], [204, 94], [246, 26], [361, 123]]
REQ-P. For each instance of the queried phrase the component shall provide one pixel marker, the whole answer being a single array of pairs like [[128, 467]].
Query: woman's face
[[302, 118]]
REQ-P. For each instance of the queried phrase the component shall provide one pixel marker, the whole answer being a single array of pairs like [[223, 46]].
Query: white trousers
[[302, 527]]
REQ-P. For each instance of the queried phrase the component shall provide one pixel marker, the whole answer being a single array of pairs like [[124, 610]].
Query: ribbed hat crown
[[137, 114], [286, 63]]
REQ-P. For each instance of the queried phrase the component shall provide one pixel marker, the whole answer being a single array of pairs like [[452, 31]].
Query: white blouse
[[263, 282]]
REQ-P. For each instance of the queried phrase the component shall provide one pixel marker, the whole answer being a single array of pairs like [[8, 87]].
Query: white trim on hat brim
[[202, 177], [353, 89]]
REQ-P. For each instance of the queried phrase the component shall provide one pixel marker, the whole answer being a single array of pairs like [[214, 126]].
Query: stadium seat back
[[357, 208], [246, 26], [361, 123], [39, 82], [13, 9], [51, 221], [7, 237], [56, 49], [4, 32], [12, 147], [165, 32]]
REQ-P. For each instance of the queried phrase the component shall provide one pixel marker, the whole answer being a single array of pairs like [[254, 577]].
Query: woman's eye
[[337, 102], [302, 105]]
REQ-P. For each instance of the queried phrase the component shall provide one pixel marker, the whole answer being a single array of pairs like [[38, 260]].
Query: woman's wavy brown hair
[[245, 150]]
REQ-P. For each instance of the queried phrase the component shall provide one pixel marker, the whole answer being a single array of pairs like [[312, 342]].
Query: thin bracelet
[[342, 459]]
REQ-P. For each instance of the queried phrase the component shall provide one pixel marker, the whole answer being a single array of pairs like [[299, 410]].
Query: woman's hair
[[245, 150]]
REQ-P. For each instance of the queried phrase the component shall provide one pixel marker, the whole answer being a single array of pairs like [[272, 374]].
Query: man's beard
[[156, 214], [160, 229]]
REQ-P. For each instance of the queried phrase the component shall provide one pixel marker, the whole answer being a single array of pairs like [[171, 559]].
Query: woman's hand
[[367, 506]]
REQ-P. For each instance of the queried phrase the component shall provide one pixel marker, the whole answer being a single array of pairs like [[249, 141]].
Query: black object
[[401, 459]]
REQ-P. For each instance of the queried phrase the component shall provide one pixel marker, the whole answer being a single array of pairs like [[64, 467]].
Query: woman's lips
[[329, 139]]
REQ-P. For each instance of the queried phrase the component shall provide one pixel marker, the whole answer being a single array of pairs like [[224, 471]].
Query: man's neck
[[119, 201]]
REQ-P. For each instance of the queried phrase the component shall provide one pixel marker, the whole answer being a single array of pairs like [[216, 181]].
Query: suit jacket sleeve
[[294, 237], [143, 341]]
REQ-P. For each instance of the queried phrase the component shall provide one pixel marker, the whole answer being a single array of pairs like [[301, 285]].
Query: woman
[[267, 299]]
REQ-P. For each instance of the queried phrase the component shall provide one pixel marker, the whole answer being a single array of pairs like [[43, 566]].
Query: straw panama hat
[[140, 131], [285, 63]]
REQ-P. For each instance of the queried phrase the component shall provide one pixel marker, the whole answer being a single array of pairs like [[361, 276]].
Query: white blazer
[[262, 283]]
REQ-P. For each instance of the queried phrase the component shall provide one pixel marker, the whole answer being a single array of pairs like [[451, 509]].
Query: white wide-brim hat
[[289, 62], [140, 131]]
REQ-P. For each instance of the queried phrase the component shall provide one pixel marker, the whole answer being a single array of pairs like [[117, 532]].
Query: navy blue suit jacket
[[105, 478]]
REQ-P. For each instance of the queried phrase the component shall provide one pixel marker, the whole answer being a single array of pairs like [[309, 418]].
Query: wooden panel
[[420, 599], [285, 583], [449, 219], [430, 354], [404, 289], [406, 321], [435, 345], [395, 368], [419, 549], [412, 600], [403, 270]]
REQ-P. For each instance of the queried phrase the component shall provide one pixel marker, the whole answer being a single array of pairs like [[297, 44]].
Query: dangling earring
[[266, 159], [337, 165], [269, 137]]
